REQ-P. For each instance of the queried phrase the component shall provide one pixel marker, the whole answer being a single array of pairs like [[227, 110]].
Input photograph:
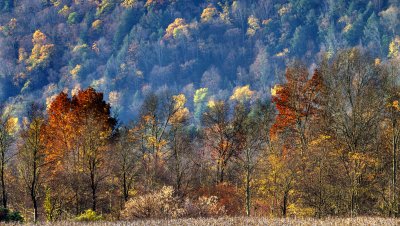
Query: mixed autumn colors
[[202, 112], [325, 145]]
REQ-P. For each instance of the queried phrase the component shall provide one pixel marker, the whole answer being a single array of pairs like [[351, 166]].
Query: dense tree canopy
[[134, 46], [203, 108]]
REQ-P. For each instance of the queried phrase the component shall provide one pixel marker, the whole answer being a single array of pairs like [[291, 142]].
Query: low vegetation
[[233, 221], [163, 204]]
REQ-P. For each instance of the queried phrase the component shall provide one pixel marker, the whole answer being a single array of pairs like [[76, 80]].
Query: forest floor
[[243, 221]]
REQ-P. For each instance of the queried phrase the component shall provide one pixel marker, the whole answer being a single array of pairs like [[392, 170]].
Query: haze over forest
[[127, 49]]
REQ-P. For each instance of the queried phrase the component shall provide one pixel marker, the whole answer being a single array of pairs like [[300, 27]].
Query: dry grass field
[[243, 221]]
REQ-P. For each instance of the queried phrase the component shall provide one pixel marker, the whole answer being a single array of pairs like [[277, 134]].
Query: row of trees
[[327, 144]]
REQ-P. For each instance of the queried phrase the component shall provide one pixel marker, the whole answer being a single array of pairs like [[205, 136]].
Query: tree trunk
[[320, 203], [394, 171], [352, 204], [221, 175], [93, 186], [285, 201], [178, 182], [126, 192], [248, 192], [3, 185], [33, 186], [35, 206]]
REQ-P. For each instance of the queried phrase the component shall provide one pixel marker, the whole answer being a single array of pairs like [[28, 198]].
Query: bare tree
[[254, 138], [31, 155], [352, 111], [126, 159], [7, 129]]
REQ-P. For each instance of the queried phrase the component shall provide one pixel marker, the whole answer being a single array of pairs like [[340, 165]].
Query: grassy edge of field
[[236, 221]]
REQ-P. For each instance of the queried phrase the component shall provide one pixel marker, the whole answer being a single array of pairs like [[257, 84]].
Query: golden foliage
[[152, 141], [254, 25], [283, 53], [275, 89], [80, 47], [300, 211], [377, 61], [266, 21], [154, 2], [319, 140], [75, 71], [347, 28], [243, 93], [394, 47], [395, 104], [128, 3], [56, 3], [12, 125], [211, 103], [41, 51], [180, 116], [64, 11], [22, 55], [177, 29], [96, 24], [208, 14], [181, 112]]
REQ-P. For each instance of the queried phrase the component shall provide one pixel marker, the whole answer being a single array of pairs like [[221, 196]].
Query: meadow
[[242, 221]]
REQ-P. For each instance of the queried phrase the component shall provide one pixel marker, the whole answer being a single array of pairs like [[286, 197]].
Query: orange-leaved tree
[[77, 135], [296, 103]]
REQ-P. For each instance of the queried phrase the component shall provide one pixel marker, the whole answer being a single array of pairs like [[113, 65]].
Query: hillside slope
[[128, 48]]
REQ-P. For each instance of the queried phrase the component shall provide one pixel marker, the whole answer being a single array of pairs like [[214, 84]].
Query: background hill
[[128, 48]]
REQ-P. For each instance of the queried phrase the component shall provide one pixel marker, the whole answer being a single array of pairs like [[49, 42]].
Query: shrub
[[89, 215], [163, 204], [7, 215], [204, 207], [160, 204], [228, 196]]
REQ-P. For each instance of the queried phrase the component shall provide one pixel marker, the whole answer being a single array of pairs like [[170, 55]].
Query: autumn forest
[[125, 110]]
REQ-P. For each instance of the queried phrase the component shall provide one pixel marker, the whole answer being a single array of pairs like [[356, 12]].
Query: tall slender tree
[[8, 126], [31, 155]]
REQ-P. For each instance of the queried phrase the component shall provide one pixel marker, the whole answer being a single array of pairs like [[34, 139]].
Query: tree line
[[325, 144]]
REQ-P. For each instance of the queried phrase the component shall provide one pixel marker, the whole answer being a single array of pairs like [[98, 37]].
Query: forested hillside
[[129, 48]]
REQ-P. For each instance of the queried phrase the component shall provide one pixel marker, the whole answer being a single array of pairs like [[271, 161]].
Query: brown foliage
[[228, 195]]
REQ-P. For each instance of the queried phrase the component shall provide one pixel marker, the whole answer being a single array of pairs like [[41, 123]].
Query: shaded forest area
[[128, 48]]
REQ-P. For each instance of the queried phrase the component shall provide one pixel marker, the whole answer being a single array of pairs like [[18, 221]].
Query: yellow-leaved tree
[[242, 93], [177, 29], [41, 51], [208, 14], [394, 47], [128, 3], [254, 25]]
